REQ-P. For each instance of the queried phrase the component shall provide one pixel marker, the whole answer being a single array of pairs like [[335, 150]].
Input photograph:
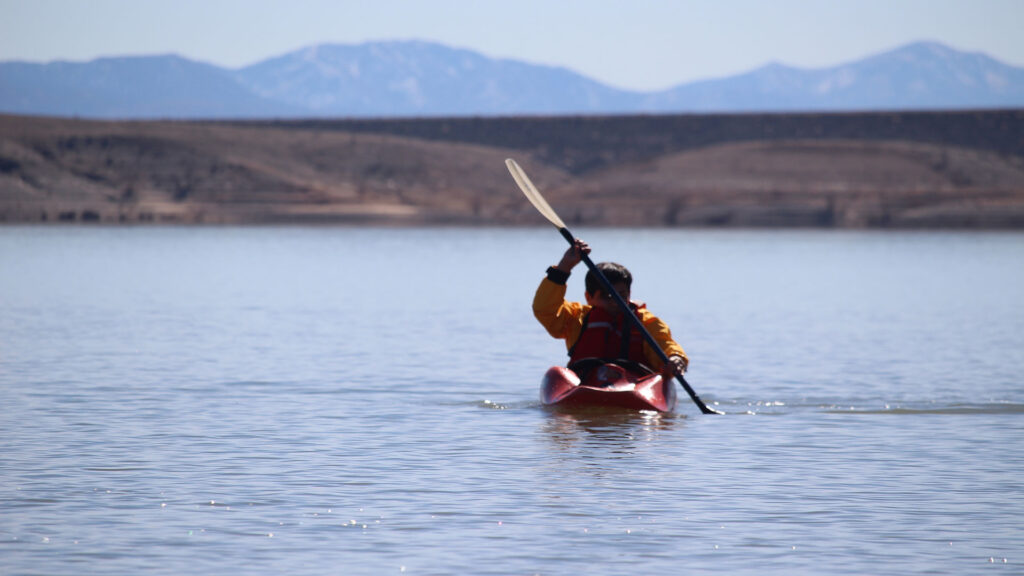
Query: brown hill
[[811, 182], [452, 171], [69, 170]]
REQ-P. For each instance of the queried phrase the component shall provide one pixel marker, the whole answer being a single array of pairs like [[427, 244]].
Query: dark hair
[[615, 273]]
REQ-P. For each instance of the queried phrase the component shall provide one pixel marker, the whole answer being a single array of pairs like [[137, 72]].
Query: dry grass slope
[[59, 170]]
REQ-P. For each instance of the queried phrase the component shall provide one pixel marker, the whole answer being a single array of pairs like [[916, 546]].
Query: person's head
[[620, 279]]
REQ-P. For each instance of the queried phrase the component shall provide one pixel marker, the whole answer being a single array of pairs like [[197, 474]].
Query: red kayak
[[627, 386]]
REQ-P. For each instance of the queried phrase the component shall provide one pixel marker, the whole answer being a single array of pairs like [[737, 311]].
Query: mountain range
[[424, 79]]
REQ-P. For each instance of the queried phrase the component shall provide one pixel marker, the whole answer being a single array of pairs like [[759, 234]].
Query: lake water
[[364, 401]]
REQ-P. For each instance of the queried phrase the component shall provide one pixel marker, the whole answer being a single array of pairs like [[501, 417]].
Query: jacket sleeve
[[560, 318], [663, 336]]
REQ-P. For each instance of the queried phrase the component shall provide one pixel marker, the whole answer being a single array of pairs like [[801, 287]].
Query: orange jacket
[[564, 320]]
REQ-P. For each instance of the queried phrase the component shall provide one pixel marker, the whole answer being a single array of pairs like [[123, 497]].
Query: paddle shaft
[[636, 321]]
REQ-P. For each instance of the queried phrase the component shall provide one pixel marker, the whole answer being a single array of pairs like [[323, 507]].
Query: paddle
[[545, 209]]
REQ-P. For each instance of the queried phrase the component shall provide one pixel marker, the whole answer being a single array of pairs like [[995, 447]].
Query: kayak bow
[[608, 386]]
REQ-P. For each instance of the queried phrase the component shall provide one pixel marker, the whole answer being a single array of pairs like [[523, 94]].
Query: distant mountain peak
[[420, 78]]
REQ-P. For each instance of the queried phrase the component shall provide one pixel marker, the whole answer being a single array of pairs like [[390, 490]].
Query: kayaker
[[596, 329]]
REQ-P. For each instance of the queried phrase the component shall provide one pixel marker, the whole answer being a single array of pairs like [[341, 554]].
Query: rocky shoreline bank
[[870, 170]]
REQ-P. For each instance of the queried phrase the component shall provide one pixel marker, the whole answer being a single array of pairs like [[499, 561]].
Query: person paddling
[[599, 330]]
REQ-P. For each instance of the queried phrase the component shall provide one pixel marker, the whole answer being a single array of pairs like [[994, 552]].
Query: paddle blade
[[532, 194]]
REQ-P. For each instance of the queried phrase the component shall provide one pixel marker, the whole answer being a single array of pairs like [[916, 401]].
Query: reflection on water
[[616, 429]]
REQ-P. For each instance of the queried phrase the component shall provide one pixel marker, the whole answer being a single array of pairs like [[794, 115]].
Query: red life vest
[[608, 338]]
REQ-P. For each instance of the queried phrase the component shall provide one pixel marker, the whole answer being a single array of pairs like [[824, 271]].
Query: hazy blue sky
[[638, 44]]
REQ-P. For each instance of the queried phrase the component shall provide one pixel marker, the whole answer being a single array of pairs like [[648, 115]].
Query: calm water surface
[[363, 401]]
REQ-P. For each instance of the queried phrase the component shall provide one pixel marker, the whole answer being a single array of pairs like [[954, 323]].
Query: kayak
[[616, 386]]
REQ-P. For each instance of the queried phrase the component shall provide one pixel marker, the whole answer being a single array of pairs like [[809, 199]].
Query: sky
[[632, 44]]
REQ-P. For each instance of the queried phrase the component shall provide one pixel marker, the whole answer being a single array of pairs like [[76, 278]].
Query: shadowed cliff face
[[849, 170]]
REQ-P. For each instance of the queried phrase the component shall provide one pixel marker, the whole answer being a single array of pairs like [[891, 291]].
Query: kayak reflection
[[618, 429]]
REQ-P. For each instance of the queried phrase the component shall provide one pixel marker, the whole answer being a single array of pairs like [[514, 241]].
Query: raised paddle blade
[[532, 194]]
